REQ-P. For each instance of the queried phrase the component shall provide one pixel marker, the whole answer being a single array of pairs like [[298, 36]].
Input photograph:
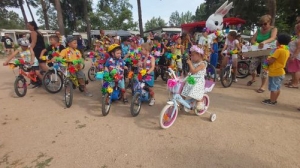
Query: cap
[[71, 38]]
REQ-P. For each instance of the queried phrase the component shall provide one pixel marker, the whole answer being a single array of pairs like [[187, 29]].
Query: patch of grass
[[44, 163], [4, 159], [104, 166]]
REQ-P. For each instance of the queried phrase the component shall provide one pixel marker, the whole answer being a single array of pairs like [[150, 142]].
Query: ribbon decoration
[[191, 80]]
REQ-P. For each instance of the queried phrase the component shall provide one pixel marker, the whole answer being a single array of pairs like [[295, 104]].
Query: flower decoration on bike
[[143, 75], [191, 80]]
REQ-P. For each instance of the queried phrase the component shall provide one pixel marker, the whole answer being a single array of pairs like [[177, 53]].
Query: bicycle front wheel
[[243, 69], [136, 104], [106, 104], [53, 83], [168, 116], [68, 93], [20, 86], [226, 77]]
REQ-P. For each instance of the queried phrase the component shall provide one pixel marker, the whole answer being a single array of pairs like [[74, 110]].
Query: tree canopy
[[154, 23]]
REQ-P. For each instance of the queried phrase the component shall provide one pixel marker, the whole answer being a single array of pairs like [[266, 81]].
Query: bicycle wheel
[[243, 69], [68, 93], [206, 105], [226, 77], [156, 73], [136, 103], [106, 103], [92, 74], [52, 82], [164, 74], [167, 117], [211, 73], [19, 85]]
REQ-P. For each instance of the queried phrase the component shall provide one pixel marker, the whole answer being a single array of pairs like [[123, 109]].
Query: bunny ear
[[227, 9], [221, 8]]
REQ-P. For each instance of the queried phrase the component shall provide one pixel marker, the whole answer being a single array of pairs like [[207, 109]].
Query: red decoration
[[72, 69], [140, 77], [22, 62], [135, 62], [55, 54]]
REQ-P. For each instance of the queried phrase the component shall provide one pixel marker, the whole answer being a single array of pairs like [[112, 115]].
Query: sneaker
[[200, 106], [268, 102], [88, 94], [152, 102], [37, 85], [235, 80]]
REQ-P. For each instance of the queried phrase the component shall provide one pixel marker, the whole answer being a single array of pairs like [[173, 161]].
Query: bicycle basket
[[99, 75], [209, 85], [175, 86]]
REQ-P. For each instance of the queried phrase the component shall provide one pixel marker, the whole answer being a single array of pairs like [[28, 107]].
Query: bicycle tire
[[105, 110], [68, 96], [92, 73], [164, 74], [16, 86], [46, 84], [225, 75], [244, 72], [211, 72], [136, 97], [164, 116]]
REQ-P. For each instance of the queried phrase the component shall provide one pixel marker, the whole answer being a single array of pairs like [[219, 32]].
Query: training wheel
[[213, 117]]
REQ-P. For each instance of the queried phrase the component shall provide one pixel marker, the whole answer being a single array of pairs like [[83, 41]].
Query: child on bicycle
[[116, 62], [231, 44], [274, 66], [53, 50], [197, 66], [178, 50], [148, 62], [71, 53], [28, 57]]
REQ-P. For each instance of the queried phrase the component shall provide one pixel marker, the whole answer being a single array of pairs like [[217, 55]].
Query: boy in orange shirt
[[71, 54], [274, 66]]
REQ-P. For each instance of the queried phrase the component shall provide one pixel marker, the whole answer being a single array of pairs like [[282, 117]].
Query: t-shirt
[[26, 55], [232, 45], [8, 42], [70, 55], [125, 49], [205, 41], [117, 64], [277, 68]]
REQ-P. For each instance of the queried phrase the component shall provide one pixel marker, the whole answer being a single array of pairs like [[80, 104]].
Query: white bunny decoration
[[215, 21]]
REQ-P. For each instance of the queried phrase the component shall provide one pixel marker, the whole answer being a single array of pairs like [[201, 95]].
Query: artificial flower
[[191, 80], [171, 83], [109, 90], [143, 72]]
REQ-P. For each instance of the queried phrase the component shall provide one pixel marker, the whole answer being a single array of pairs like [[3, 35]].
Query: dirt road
[[38, 131]]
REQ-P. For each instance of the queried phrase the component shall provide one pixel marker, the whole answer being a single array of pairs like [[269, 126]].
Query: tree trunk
[[140, 18], [272, 10], [44, 8], [20, 2], [28, 6], [87, 21], [60, 19]]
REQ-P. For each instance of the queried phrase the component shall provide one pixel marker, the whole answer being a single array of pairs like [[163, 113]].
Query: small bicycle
[[110, 95], [169, 113], [53, 78], [24, 71], [227, 76], [97, 65], [141, 94]]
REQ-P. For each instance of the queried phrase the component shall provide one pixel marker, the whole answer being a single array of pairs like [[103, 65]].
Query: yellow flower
[[174, 57], [143, 72], [109, 90]]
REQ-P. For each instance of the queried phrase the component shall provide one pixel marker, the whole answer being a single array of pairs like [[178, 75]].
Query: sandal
[[292, 86], [260, 90], [250, 83]]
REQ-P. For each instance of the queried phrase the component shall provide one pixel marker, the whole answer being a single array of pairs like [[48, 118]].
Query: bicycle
[[97, 66], [141, 94], [24, 71], [243, 68], [110, 95], [227, 76], [169, 113], [211, 72]]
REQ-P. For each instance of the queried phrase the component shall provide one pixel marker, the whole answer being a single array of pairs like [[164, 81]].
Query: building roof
[[166, 28]]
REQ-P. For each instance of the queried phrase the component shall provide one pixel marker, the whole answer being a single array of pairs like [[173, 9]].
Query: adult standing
[[8, 44], [80, 45], [294, 60], [37, 43], [62, 38], [264, 35], [140, 39], [102, 34]]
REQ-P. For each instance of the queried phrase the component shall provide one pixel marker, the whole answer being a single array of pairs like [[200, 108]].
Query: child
[[205, 43], [158, 50], [71, 54], [197, 67], [231, 44], [28, 56], [274, 65], [116, 62], [178, 50], [148, 62], [53, 50]]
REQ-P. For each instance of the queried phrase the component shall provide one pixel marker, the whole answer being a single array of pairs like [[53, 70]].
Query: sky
[[150, 8]]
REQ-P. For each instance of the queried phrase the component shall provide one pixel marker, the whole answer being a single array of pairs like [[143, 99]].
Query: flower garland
[[108, 77], [134, 56], [54, 53], [265, 64], [156, 50]]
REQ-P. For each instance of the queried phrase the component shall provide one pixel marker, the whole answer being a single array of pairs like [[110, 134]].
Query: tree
[[20, 3], [140, 18], [200, 13], [50, 16], [45, 8], [154, 23], [87, 20], [31, 3], [177, 19], [10, 20], [61, 26]]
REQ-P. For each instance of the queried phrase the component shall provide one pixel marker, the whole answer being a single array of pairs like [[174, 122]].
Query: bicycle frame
[[138, 87], [26, 74]]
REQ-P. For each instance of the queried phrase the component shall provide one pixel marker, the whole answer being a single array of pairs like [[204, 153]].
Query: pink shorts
[[293, 65]]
